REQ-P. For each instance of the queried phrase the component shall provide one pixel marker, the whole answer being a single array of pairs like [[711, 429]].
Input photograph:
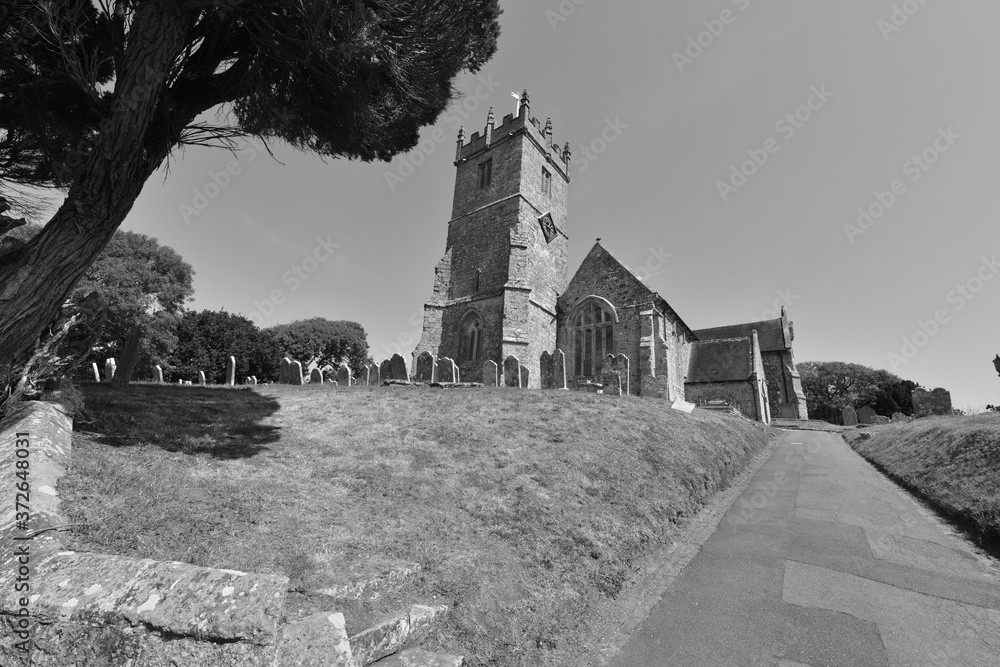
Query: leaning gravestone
[[622, 366], [612, 382], [559, 370], [425, 370], [446, 370], [545, 370], [231, 371], [295, 376], [866, 415], [512, 372], [97, 371], [397, 365], [850, 416], [344, 375], [385, 370], [201, 377], [490, 372], [525, 377], [157, 374], [315, 376], [109, 369]]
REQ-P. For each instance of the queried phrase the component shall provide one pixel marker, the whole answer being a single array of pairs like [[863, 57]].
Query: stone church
[[501, 289]]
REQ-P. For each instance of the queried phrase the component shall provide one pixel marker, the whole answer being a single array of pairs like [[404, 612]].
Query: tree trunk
[[35, 280], [130, 356]]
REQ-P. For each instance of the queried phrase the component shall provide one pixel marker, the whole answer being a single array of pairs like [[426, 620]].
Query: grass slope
[[953, 462], [526, 509]]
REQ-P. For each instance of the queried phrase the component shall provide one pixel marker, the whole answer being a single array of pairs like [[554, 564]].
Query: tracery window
[[472, 339], [593, 339]]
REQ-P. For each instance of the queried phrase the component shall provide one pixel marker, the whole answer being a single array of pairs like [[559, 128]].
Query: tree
[[206, 340], [326, 341], [95, 95], [830, 386]]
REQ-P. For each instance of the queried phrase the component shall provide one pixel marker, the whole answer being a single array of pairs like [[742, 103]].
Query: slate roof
[[770, 334], [725, 360]]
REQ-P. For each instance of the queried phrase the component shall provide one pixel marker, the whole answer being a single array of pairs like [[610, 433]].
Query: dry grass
[[525, 509], [952, 462]]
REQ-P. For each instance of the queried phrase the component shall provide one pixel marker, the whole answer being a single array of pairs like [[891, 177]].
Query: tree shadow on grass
[[221, 422]]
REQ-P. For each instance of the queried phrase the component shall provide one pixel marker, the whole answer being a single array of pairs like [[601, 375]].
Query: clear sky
[[903, 110]]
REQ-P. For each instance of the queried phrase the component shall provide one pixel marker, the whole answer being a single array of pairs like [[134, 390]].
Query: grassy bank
[[525, 509], [952, 462]]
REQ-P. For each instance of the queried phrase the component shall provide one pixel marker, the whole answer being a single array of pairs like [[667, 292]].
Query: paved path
[[822, 562]]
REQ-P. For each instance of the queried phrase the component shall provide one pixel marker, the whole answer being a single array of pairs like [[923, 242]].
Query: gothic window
[[479, 272], [546, 182], [472, 339], [486, 173], [593, 340]]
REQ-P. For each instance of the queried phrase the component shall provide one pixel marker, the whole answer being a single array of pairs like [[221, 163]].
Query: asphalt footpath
[[823, 562]]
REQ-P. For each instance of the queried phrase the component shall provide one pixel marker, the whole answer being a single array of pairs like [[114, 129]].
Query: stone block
[[512, 372], [850, 416], [231, 371], [97, 371], [319, 640], [426, 370], [612, 383], [315, 376], [490, 373]]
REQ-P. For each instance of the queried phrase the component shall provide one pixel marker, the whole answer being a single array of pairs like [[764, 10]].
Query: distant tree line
[[831, 386]]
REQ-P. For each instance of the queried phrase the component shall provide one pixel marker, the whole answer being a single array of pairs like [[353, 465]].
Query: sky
[[837, 158]]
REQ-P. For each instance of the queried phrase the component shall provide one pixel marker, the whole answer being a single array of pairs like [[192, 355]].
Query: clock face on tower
[[548, 227]]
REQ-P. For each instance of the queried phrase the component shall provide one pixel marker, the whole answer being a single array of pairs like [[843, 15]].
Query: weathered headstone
[[512, 372], [315, 376], [180, 382], [109, 369], [231, 371], [97, 371], [364, 376], [247, 381], [899, 417], [545, 368], [385, 370], [622, 366], [253, 379], [881, 420], [397, 366], [285, 376], [935, 402], [612, 381], [201, 377], [373, 376], [525, 377], [850, 416], [157, 374], [447, 371], [344, 375], [490, 372], [425, 370], [559, 370], [866, 415], [188, 382], [295, 373]]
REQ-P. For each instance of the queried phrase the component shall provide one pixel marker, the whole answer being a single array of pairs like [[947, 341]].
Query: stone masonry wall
[[741, 394]]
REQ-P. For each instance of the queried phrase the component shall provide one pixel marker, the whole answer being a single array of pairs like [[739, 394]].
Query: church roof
[[770, 333], [725, 360]]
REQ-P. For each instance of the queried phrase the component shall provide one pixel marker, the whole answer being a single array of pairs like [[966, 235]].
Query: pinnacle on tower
[[525, 103], [567, 154], [547, 132], [489, 118]]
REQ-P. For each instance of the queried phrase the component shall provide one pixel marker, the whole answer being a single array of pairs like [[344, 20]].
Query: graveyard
[[524, 511]]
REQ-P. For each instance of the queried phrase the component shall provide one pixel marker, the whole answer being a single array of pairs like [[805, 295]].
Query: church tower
[[504, 265]]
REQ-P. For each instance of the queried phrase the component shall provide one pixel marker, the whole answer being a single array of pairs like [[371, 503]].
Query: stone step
[[393, 632], [417, 657]]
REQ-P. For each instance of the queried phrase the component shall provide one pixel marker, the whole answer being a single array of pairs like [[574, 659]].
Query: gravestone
[[866, 415], [490, 372], [525, 377], [187, 382], [881, 420], [622, 366], [344, 375], [899, 417], [97, 371], [109, 369], [559, 370], [935, 402], [231, 371], [385, 371], [373, 375], [850, 416], [201, 377], [253, 379], [447, 371], [286, 371], [612, 381], [180, 382], [157, 374], [545, 369], [295, 373], [511, 372], [364, 376], [315, 376], [397, 367], [425, 370], [246, 380]]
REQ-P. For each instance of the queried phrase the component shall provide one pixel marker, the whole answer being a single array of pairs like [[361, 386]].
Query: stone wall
[[739, 394]]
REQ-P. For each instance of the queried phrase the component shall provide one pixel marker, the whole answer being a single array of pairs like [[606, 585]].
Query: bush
[[207, 339]]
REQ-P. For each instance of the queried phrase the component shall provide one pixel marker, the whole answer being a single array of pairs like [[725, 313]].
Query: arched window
[[593, 339], [472, 339], [479, 272]]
